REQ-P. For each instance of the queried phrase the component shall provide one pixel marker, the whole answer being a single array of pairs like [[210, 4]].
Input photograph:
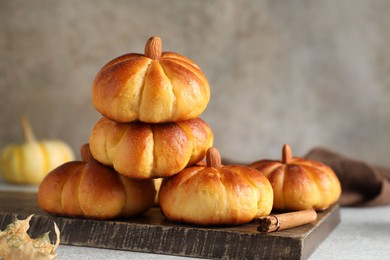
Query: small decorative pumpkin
[[16, 244], [300, 184], [142, 150], [154, 88], [215, 194], [28, 163], [91, 190]]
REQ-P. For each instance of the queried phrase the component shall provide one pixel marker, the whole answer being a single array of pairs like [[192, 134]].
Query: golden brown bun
[[92, 190], [300, 184], [141, 150], [165, 88], [216, 195]]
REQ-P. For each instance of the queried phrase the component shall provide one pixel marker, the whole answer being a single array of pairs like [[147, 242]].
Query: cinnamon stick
[[283, 221]]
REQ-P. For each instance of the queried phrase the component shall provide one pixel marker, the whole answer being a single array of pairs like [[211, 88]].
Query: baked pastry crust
[[91, 190], [208, 195], [300, 184], [141, 150], [166, 88]]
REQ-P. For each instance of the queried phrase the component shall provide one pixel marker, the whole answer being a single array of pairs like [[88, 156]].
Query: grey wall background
[[307, 73]]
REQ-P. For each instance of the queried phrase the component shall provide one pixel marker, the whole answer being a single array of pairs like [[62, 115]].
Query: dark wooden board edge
[[183, 240], [320, 232]]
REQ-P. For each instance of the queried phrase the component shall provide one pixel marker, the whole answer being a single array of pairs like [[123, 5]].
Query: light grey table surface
[[363, 233]]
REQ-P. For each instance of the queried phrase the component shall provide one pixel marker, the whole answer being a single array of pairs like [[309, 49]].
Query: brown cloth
[[363, 184]]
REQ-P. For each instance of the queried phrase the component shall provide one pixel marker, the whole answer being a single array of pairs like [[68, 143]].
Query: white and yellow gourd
[[30, 162]]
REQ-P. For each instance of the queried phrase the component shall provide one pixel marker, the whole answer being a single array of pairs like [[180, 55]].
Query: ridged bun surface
[[216, 195], [142, 150], [154, 88], [300, 184], [91, 190]]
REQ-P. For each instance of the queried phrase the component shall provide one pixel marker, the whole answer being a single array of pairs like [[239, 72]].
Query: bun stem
[[286, 154], [153, 48], [213, 158], [86, 154]]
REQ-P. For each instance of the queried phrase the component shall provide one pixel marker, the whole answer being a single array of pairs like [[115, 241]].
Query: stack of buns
[[151, 106], [150, 129]]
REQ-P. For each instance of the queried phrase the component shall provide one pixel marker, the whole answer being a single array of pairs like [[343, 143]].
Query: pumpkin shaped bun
[[143, 150], [300, 184], [215, 194], [91, 190], [155, 87]]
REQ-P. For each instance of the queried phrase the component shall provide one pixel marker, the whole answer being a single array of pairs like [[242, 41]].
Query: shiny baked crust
[[204, 195], [92, 190], [136, 87], [300, 184], [142, 150]]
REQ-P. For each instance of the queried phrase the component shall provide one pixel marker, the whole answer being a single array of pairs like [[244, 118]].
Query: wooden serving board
[[152, 233]]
